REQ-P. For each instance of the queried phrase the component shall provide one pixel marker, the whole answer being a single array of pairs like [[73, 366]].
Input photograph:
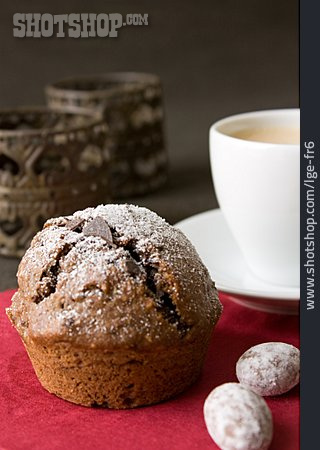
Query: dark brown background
[[215, 57]]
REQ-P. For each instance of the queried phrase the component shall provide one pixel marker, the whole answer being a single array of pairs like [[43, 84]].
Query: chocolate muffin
[[114, 307]]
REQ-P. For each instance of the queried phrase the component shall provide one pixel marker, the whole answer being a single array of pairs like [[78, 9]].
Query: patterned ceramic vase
[[51, 163], [131, 104]]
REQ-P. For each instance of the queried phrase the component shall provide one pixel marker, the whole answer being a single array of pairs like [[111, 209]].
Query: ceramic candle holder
[[51, 163], [131, 104]]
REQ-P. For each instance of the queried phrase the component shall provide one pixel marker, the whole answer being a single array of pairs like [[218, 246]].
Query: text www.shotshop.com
[[310, 223]]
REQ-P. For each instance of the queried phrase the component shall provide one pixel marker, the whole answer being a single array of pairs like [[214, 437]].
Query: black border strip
[[310, 256]]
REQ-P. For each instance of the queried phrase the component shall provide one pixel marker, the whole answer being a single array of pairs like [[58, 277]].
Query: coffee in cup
[[271, 135]]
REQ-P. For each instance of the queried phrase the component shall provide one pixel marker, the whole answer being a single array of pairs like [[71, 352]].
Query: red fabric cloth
[[31, 418]]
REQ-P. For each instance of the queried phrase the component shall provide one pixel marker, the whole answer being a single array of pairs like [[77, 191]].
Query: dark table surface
[[215, 59]]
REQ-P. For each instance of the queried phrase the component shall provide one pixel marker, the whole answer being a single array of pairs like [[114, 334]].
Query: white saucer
[[216, 246]]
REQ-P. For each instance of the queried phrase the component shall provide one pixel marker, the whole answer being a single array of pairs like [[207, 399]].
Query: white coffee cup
[[258, 189]]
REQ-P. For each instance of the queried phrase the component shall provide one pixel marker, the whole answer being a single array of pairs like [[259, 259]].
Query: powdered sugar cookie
[[269, 369], [237, 418]]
